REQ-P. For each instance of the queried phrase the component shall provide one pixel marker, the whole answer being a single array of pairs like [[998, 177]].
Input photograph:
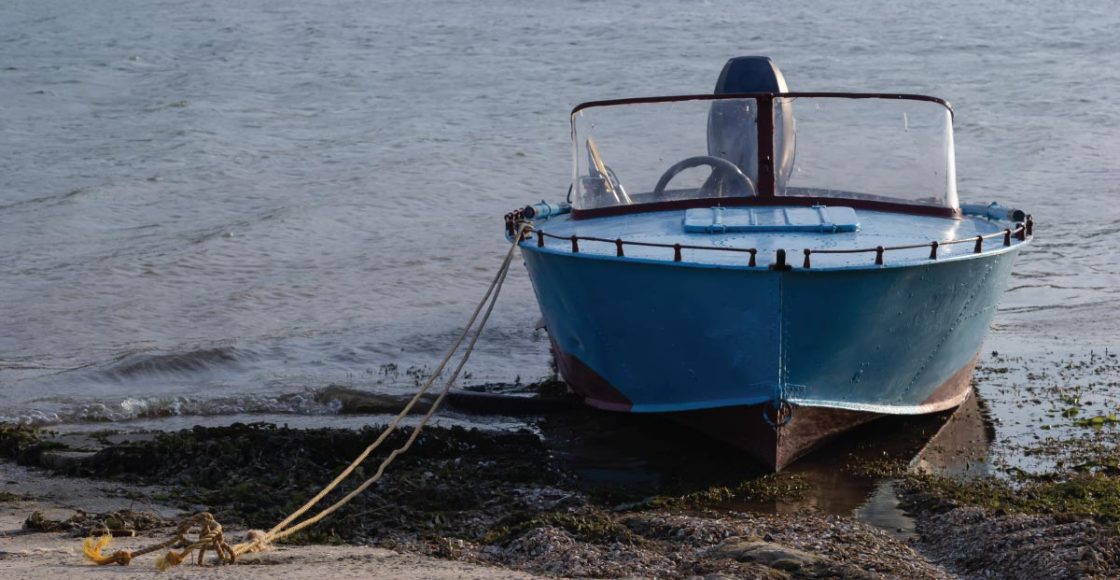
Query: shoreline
[[580, 493]]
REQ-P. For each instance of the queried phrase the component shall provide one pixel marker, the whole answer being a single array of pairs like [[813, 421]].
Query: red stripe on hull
[[594, 389], [745, 426]]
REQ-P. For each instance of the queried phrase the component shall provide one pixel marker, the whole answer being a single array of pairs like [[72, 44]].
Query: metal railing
[[1020, 232]]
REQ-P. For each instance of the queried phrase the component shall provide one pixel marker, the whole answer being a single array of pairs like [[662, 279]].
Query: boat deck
[[876, 228]]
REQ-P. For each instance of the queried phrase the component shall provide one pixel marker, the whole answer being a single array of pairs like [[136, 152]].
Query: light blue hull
[[668, 337]]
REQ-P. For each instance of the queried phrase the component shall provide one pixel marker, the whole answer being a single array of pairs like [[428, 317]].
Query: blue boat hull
[[774, 361]]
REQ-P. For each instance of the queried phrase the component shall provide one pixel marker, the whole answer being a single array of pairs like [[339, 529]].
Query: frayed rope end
[[168, 560], [92, 548]]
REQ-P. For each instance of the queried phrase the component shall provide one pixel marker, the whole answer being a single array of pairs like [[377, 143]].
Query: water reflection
[[632, 457]]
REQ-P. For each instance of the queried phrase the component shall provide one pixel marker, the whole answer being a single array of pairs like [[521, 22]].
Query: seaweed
[[255, 474], [24, 443], [116, 523], [768, 488], [1078, 495], [589, 525]]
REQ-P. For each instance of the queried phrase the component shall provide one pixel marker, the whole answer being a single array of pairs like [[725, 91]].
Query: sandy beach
[[58, 555]]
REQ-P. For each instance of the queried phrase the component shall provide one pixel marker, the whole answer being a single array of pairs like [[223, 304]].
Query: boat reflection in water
[[637, 456], [817, 274]]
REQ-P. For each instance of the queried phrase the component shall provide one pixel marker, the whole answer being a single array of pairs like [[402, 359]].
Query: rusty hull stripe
[[953, 391], [596, 391], [744, 427]]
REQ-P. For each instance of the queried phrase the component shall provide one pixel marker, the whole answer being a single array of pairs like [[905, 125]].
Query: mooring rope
[[209, 534]]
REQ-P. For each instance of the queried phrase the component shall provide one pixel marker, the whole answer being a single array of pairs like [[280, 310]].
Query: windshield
[[889, 149]]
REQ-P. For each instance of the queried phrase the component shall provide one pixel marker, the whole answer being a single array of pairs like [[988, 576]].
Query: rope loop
[[783, 413]]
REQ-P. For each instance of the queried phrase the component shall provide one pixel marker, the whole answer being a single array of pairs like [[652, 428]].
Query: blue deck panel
[[816, 219]]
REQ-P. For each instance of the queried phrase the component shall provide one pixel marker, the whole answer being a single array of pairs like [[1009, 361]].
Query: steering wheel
[[724, 173]]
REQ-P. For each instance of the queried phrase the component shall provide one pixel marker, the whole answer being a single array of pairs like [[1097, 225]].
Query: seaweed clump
[[1040, 529], [453, 481], [82, 524], [768, 488], [1081, 495], [24, 443]]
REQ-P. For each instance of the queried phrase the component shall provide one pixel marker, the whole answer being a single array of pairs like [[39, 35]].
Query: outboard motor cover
[[733, 125]]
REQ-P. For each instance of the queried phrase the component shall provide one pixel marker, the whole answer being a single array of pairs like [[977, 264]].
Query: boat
[[771, 267]]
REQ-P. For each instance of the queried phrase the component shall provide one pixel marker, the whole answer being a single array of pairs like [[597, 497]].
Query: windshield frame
[[766, 173]]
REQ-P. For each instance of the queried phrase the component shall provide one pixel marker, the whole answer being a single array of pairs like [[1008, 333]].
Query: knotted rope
[[208, 537], [209, 531]]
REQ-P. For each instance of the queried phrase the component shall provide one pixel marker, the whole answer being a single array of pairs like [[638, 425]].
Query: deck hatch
[[817, 219]]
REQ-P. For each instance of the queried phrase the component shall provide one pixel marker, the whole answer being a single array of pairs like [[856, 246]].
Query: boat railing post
[[540, 239], [753, 263], [979, 245], [933, 250], [806, 263], [676, 252], [879, 255], [780, 261], [1007, 237], [618, 247], [575, 244], [1021, 232], [1030, 226]]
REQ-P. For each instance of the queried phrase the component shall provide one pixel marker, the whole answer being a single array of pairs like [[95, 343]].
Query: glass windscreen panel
[[879, 149], [890, 150]]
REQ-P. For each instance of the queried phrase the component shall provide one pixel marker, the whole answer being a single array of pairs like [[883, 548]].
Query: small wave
[[226, 230], [45, 199], [331, 400], [497, 399], [132, 408], [138, 364]]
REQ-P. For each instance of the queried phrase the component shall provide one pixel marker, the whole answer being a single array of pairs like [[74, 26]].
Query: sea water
[[219, 208]]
